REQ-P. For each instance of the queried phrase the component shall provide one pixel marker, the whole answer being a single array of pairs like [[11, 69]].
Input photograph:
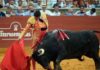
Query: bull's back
[[80, 42]]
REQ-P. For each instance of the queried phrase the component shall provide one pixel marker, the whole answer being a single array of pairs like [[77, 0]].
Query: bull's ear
[[41, 52]]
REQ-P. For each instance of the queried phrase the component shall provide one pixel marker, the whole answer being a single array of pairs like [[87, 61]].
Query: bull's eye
[[41, 52]]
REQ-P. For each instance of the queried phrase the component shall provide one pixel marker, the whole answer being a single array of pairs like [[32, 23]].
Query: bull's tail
[[95, 31]]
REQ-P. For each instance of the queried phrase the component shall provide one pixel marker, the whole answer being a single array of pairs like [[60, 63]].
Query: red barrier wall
[[11, 27]]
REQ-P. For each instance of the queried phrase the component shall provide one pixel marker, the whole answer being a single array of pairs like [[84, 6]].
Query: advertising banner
[[10, 28]]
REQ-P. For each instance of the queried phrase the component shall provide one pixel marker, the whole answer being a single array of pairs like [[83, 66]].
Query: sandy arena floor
[[72, 64]]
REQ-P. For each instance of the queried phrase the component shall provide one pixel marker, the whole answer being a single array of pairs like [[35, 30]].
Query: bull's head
[[39, 56], [42, 54]]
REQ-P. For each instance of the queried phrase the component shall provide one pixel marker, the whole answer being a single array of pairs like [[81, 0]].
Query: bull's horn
[[41, 52]]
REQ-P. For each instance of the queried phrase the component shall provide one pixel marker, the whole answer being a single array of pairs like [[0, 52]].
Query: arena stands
[[64, 5]]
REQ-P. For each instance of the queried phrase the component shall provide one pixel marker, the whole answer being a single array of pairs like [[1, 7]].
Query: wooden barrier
[[11, 27]]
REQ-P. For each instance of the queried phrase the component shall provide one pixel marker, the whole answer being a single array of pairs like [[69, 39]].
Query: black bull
[[54, 49]]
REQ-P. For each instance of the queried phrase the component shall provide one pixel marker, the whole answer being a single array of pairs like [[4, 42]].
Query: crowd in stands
[[50, 7]]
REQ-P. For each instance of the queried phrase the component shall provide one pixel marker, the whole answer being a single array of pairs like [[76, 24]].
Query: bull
[[79, 43]]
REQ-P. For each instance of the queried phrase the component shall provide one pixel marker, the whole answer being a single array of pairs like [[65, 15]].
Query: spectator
[[30, 2], [10, 12], [69, 4], [17, 2], [56, 11], [12, 4], [69, 12], [30, 11], [20, 11], [44, 10], [50, 3], [2, 2], [75, 4], [2, 14], [92, 5], [24, 3], [61, 3], [38, 5], [91, 12], [86, 4], [81, 12], [97, 3]]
